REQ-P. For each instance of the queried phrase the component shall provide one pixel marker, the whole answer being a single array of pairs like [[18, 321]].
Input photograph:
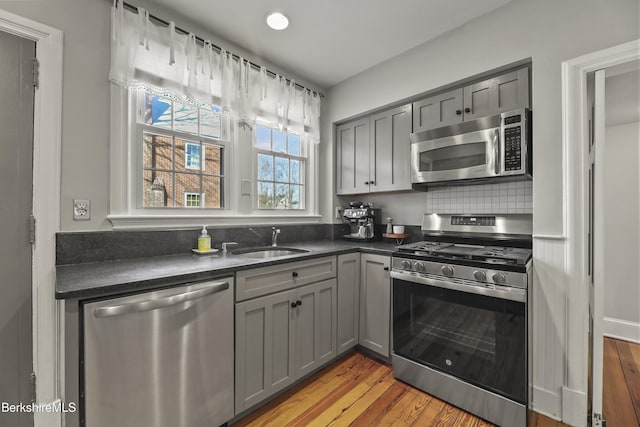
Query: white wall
[[622, 231]]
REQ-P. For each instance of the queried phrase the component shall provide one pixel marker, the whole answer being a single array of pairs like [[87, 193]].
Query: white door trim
[[574, 135], [47, 350]]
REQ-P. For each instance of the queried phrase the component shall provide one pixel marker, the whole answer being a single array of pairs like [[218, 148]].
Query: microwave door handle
[[496, 150]]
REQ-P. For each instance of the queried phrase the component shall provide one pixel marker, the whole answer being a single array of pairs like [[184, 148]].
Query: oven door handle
[[505, 292]]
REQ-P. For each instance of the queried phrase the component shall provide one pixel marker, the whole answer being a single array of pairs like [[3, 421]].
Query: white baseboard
[[547, 403], [574, 407], [621, 329]]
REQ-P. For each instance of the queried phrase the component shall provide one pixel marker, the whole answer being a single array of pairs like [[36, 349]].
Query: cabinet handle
[[372, 182], [458, 112], [467, 110], [366, 183], [298, 303], [293, 305], [386, 269], [294, 274]]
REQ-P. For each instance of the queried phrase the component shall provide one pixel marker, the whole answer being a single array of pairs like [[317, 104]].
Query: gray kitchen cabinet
[[348, 301], [352, 157], [373, 153], [264, 347], [439, 110], [282, 337], [375, 303], [316, 326], [504, 92], [390, 150]]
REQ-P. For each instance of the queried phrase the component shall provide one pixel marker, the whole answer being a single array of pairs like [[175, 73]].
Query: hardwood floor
[[621, 383], [360, 391]]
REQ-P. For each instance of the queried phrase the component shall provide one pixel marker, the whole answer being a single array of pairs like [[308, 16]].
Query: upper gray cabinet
[[504, 92], [373, 153], [438, 110]]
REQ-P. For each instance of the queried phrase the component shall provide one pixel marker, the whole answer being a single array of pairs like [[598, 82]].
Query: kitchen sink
[[268, 252]]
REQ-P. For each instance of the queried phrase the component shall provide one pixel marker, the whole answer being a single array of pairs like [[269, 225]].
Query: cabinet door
[[375, 303], [265, 329], [348, 301], [315, 326], [502, 93], [390, 150], [352, 157], [438, 110]]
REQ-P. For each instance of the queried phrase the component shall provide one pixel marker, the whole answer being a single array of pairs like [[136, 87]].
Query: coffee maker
[[361, 220]]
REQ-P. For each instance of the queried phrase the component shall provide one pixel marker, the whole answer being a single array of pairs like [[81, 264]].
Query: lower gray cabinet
[[375, 303], [348, 301], [281, 337]]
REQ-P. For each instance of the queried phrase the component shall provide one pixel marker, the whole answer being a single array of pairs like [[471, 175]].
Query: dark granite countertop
[[90, 280]]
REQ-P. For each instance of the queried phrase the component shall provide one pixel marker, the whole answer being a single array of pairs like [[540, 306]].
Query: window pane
[[209, 123], [294, 144], [282, 169], [265, 167], [279, 142], [263, 137], [157, 111], [212, 187], [295, 171], [295, 197], [265, 194], [213, 159], [282, 196], [192, 200], [157, 152], [188, 155], [157, 189], [186, 183], [185, 118]]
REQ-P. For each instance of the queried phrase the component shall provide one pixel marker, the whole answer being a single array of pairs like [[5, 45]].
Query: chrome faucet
[[225, 245], [274, 236]]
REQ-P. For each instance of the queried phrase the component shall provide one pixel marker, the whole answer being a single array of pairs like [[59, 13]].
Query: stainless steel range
[[460, 314]]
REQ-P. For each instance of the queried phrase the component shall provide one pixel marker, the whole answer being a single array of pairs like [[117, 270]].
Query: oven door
[[469, 155], [475, 337]]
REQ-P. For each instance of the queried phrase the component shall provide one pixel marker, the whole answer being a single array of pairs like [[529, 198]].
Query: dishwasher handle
[[119, 310]]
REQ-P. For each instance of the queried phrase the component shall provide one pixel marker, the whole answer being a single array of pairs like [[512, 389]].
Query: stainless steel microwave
[[490, 147]]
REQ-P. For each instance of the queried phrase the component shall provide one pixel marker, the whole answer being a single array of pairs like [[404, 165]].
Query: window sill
[[136, 222]]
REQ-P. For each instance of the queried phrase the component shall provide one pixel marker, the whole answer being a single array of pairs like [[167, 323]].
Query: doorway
[[621, 197], [585, 244], [16, 193]]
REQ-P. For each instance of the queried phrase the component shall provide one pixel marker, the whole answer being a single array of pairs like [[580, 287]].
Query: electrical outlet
[[338, 212], [81, 209]]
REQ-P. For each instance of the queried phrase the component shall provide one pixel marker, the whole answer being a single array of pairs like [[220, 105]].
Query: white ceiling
[[329, 41]]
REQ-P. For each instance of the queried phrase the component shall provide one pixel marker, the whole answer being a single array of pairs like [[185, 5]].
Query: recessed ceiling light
[[277, 20]]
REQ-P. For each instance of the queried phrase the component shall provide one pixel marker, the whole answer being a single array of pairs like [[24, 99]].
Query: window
[[280, 169], [183, 155]]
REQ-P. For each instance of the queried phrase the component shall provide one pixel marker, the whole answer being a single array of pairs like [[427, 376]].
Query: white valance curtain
[[158, 57]]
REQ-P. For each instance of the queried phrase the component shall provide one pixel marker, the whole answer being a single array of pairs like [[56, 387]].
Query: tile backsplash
[[505, 197]]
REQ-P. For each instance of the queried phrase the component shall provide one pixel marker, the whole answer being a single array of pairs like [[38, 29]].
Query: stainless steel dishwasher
[[160, 359]]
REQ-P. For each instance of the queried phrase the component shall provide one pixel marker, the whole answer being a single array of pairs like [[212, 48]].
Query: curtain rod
[[218, 48]]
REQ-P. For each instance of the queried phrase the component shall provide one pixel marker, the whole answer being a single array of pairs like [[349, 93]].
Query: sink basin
[[268, 252]]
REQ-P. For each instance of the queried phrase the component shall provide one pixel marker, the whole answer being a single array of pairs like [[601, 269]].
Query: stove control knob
[[499, 278], [447, 270], [406, 265], [420, 267], [480, 275]]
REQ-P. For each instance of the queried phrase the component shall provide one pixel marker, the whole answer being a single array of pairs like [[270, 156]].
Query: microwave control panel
[[514, 131]]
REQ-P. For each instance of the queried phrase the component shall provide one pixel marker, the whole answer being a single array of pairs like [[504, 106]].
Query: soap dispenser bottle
[[204, 240]]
